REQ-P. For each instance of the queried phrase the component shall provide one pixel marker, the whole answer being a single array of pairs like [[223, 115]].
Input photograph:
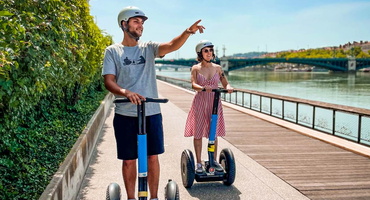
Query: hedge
[[50, 85]]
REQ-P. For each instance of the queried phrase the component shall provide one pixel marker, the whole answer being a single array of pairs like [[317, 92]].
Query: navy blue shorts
[[126, 129]]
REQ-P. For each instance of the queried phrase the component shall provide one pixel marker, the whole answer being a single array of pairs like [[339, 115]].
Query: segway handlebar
[[147, 100], [219, 90]]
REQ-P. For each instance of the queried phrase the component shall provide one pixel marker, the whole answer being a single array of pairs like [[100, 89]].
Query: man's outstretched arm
[[178, 41]]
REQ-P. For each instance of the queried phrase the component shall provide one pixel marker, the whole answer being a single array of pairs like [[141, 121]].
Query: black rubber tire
[[187, 168], [227, 161], [113, 192], [172, 191]]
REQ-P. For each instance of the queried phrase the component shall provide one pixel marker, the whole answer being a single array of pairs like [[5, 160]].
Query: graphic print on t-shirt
[[139, 61]]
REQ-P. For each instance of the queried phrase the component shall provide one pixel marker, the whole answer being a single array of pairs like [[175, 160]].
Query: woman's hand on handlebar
[[230, 90], [207, 89], [135, 98]]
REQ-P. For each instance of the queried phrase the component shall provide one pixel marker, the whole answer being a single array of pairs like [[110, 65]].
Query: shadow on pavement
[[213, 190]]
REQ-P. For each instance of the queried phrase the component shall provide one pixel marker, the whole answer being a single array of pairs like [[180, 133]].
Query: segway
[[226, 159], [171, 189]]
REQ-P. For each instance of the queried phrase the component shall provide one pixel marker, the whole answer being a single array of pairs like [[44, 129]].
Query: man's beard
[[133, 33]]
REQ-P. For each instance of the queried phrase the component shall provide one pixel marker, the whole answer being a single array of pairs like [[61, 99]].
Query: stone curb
[[67, 181]]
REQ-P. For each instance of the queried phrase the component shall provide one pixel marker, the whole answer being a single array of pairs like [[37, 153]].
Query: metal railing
[[347, 122]]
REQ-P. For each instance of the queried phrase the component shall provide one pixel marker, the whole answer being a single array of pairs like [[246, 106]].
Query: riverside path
[[274, 159]]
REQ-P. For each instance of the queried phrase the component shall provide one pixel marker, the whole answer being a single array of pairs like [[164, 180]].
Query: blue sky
[[244, 25]]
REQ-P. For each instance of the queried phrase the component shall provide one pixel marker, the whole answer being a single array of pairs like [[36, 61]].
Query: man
[[129, 71]]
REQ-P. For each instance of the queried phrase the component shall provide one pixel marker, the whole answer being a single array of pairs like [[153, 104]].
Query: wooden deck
[[315, 168]]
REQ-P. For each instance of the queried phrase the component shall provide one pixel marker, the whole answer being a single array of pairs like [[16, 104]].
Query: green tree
[[325, 53], [363, 55]]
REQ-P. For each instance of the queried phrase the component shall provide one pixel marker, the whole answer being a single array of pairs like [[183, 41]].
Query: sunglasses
[[208, 50]]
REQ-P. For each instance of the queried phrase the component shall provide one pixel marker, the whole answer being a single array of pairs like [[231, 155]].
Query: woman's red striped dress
[[199, 117]]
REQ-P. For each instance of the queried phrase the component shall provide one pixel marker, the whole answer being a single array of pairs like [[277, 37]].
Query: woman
[[205, 75]]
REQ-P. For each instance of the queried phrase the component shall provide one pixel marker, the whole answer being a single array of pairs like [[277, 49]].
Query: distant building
[[365, 46]]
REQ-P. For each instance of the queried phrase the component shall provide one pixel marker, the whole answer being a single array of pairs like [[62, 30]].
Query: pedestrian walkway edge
[[66, 182]]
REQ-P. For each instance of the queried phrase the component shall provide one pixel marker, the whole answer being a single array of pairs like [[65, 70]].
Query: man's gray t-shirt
[[134, 70]]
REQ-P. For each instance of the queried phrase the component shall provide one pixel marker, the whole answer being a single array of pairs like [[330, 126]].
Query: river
[[350, 89]]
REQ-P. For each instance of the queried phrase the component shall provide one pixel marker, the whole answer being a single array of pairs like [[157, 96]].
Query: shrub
[[50, 85]]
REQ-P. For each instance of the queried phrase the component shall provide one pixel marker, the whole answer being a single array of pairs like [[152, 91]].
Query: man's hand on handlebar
[[135, 98]]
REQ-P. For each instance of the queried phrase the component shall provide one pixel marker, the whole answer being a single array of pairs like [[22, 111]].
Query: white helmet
[[128, 12], [202, 44]]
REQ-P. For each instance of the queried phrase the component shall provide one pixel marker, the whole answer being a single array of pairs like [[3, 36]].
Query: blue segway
[[171, 190], [226, 158]]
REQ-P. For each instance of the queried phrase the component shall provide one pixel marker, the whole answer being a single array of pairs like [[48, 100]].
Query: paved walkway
[[253, 181], [308, 160]]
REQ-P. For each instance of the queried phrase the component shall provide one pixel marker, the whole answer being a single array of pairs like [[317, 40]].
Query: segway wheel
[[172, 191], [227, 161], [113, 192], [187, 168]]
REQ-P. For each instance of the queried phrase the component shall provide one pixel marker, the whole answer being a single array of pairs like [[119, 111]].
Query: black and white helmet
[[202, 44], [128, 12]]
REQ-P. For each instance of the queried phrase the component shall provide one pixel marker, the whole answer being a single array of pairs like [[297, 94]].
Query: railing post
[[313, 117], [296, 113], [243, 99], [359, 129], [282, 109], [333, 122], [250, 100], [260, 103], [270, 106]]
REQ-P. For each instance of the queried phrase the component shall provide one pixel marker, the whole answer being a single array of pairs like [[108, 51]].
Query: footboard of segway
[[205, 177], [209, 174]]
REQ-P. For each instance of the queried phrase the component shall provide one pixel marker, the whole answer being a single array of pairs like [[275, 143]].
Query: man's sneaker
[[199, 168], [218, 166]]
